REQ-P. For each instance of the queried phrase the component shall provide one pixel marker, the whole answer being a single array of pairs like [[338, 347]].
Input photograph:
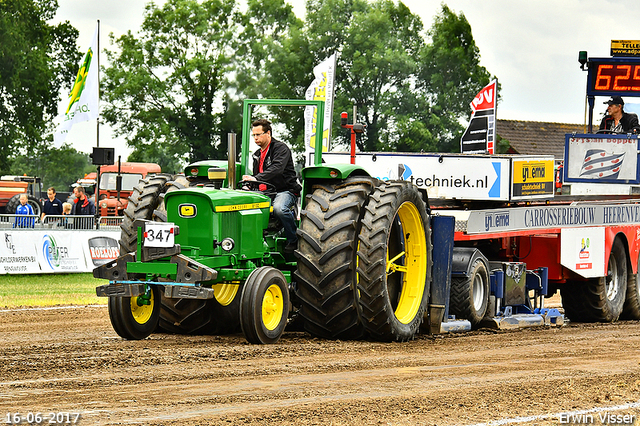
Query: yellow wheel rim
[[272, 307], [225, 293], [412, 263], [142, 313]]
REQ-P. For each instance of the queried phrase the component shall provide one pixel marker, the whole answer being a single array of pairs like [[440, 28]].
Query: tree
[[410, 93], [36, 60], [57, 167], [376, 44], [165, 88], [450, 76]]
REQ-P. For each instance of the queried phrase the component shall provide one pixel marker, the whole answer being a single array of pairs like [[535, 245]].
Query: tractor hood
[[220, 200], [206, 214]]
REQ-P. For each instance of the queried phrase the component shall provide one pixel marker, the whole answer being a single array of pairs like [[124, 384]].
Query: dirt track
[[70, 360]]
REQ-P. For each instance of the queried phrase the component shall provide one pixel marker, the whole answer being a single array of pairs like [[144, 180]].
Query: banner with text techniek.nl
[[82, 103], [479, 138], [321, 89]]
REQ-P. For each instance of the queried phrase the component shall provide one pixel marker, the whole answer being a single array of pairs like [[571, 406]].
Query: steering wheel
[[254, 185], [608, 132]]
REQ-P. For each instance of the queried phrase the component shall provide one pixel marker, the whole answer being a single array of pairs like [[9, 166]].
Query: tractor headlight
[[228, 244]]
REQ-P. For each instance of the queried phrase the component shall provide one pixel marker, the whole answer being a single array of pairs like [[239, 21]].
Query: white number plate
[[158, 234]]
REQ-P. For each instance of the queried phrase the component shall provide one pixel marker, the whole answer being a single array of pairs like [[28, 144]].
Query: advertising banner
[[601, 159], [479, 138], [43, 251], [321, 89], [551, 216], [532, 178], [444, 176], [582, 251]]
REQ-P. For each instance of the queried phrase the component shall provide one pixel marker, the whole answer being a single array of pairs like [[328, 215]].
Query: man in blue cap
[[618, 121]]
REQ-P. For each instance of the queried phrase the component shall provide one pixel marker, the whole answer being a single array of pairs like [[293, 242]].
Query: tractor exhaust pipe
[[231, 168]]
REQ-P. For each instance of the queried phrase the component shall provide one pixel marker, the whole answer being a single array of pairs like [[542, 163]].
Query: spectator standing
[[24, 209], [66, 211], [66, 208], [83, 207], [52, 206]]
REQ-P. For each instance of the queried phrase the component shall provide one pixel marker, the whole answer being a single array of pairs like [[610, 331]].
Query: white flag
[[321, 89], [82, 103]]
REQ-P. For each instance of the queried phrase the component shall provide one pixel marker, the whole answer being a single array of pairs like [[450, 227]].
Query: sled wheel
[[264, 306], [599, 299], [131, 318], [394, 262], [631, 308], [325, 275], [470, 295]]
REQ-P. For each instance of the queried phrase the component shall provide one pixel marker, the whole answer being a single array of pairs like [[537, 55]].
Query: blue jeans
[[283, 206]]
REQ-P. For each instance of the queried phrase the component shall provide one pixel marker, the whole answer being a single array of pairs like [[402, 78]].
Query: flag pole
[[98, 118], [97, 191]]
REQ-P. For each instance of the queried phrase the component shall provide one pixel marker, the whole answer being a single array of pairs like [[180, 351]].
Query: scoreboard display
[[614, 76]]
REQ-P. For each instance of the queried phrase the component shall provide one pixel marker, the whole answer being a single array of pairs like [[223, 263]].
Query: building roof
[[536, 137]]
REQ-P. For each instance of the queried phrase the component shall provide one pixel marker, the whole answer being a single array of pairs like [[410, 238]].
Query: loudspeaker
[[102, 156]]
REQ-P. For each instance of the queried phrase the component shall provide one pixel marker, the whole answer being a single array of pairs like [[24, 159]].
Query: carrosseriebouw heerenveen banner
[[82, 102], [479, 138], [321, 89]]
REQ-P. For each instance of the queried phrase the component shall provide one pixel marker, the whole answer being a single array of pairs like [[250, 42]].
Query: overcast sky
[[531, 46]]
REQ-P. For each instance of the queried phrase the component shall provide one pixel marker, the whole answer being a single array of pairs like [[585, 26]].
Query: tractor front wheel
[[264, 306], [135, 318]]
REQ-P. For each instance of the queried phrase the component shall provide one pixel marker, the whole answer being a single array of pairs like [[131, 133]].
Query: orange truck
[[113, 201], [12, 186]]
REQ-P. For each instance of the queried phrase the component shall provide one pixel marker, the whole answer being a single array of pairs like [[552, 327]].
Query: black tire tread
[[326, 258], [376, 310], [586, 301], [461, 296]]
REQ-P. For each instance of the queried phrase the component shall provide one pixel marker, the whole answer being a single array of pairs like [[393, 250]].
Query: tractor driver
[[618, 121], [273, 163]]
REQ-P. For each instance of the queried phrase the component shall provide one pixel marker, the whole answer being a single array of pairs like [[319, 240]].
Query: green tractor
[[200, 257]]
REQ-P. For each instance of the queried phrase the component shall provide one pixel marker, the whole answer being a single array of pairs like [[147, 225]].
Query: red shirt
[[263, 154]]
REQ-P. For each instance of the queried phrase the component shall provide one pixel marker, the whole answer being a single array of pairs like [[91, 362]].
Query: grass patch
[[49, 290]]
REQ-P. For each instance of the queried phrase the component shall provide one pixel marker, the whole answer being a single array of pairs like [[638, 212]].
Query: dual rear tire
[[364, 260]]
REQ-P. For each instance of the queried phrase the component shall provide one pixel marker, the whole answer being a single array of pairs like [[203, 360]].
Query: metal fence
[[62, 222]]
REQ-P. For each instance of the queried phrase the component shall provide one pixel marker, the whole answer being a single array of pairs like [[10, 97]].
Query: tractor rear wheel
[[183, 316], [599, 299], [131, 318], [326, 254], [144, 199], [394, 262], [264, 306], [195, 316]]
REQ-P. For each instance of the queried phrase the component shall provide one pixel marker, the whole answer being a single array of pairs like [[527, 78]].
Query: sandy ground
[[70, 360]]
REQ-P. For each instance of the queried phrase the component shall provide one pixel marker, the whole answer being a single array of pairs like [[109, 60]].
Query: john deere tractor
[[199, 256]]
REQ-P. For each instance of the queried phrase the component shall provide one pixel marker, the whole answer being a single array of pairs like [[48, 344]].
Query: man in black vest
[[273, 163]]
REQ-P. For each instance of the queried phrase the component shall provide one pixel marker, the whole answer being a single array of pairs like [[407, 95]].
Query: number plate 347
[[159, 234]]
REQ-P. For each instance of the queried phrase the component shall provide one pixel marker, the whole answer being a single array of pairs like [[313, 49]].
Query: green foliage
[[164, 89], [451, 76], [57, 167], [36, 59]]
